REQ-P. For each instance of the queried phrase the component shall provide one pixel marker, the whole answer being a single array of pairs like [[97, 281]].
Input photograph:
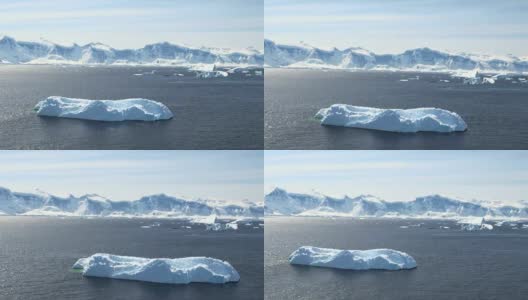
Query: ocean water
[[495, 114], [215, 113], [37, 253], [452, 264]]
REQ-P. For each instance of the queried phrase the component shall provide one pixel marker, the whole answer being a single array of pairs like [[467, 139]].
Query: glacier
[[395, 120], [137, 109], [92, 205], [354, 58], [165, 54], [280, 202], [374, 259], [160, 270]]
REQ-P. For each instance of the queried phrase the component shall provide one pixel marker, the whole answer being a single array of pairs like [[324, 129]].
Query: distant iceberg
[[104, 110], [378, 259], [160, 270], [395, 120], [474, 224]]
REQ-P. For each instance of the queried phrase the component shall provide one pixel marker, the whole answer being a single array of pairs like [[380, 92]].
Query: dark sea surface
[[496, 114], [37, 253], [452, 264], [213, 113]]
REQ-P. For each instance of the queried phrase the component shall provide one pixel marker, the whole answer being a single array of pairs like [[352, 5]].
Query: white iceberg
[[473, 224], [222, 226], [395, 120], [378, 259], [161, 270], [103, 110]]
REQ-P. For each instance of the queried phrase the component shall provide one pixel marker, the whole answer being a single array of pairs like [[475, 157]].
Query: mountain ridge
[[162, 205], [163, 53], [281, 202], [425, 59]]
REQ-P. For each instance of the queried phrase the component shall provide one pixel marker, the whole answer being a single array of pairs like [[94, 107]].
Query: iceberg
[[395, 120], [161, 270], [473, 224], [377, 259], [137, 109]]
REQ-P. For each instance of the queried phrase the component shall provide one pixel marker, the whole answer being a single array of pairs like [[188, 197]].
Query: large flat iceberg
[[137, 109], [396, 120], [161, 270], [379, 259]]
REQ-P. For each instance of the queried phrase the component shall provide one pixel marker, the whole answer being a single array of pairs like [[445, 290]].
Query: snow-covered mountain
[[18, 52], [13, 203], [304, 56], [281, 202]]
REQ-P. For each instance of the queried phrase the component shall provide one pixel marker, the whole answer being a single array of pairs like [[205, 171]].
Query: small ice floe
[[155, 224], [161, 270], [404, 80], [138, 74], [378, 259], [395, 120], [524, 226], [404, 227], [259, 73], [444, 227], [474, 223], [445, 80], [212, 74], [137, 109], [411, 78]]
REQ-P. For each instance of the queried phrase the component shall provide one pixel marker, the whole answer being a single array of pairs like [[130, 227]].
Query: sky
[[500, 176], [232, 176], [235, 24], [392, 26]]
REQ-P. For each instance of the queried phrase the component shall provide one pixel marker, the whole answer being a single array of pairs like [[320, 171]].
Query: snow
[[416, 60], [161, 270], [281, 202], [152, 206], [377, 259], [395, 120], [167, 54], [103, 110]]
